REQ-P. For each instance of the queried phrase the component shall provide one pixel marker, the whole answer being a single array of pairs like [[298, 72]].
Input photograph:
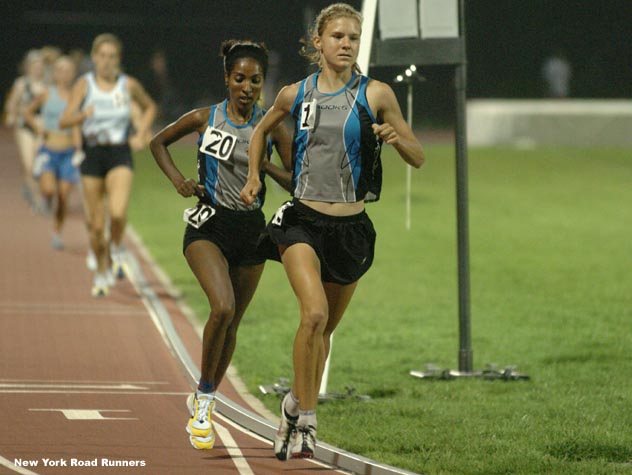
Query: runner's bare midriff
[[336, 209], [58, 140]]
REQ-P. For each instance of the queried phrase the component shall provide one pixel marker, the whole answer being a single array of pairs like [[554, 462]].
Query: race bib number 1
[[198, 215], [218, 143], [308, 115]]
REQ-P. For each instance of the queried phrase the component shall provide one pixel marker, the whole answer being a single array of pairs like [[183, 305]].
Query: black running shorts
[[345, 245], [235, 233], [100, 159]]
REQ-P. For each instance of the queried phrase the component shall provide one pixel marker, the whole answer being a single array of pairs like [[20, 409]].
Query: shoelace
[[308, 433], [203, 408]]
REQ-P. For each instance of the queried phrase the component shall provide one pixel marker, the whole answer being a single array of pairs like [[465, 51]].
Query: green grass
[[551, 259]]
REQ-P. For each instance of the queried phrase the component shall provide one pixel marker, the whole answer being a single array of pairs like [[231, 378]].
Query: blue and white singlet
[[223, 171], [336, 155]]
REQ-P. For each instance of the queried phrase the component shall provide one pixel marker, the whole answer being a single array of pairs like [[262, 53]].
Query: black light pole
[[462, 204], [456, 52]]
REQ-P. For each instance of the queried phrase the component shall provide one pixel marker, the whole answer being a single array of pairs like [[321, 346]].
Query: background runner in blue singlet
[[53, 165]]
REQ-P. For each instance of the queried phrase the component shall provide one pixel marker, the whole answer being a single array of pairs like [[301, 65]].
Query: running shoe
[[26, 193], [118, 264], [100, 286], [91, 261], [57, 242], [41, 206], [109, 278], [200, 427], [303, 442], [282, 437]]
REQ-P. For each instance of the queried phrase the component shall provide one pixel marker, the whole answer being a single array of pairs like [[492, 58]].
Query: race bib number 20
[[198, 215], [218, 143]]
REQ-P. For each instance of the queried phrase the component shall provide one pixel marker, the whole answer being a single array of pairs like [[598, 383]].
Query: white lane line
[[232, 448], [146, 293], [89, 414], [77, 381], [150, 300], [59, 391], [270, 443], [234, 425], [67, 310], [71, 386], [15, 386], [11, 466]]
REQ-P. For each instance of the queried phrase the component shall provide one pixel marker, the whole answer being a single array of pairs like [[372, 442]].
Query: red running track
[[89, 385]]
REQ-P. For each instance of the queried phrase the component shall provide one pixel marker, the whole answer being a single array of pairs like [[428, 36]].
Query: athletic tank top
[[110, 123], [29, 92], [336, 155], [223, 166], [52, 110]]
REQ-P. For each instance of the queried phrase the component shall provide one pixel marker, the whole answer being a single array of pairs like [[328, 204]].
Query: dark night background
[[507, 41]]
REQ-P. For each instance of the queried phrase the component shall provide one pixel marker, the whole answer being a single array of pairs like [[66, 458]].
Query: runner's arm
[[194, 121]]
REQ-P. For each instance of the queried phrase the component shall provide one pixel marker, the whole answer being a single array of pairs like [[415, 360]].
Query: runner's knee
[[313, 320], [97, 229], [222, 312]]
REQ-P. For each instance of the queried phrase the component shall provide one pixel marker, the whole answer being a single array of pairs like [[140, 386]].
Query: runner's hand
[[189, 187], [250, 191], [386, 132]]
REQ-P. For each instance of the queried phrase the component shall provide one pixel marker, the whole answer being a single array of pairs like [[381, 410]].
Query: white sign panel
[[398, 19], [438, 18]]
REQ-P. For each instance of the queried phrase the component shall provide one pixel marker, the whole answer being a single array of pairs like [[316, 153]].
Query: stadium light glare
[[408, 73], [413, 68], [399, 78]]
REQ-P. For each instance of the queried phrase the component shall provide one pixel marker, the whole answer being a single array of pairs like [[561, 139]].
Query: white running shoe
[[118, 263], [57, 242], [200, 426], [303, 442], [282, 437], [109, 278], [100, 286], [91, 261]]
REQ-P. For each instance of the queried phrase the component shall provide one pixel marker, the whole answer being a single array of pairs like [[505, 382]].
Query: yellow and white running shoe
[[100, 286], [200, 426]]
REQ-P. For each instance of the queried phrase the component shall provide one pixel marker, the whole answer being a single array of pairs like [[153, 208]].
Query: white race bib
[[308, 114], [78, 157], [218, 143], [278, 216], [40, 161], [198, 215]]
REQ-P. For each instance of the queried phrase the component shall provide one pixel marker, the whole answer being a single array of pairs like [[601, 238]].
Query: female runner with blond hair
[[324, 237], [101, 102]]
